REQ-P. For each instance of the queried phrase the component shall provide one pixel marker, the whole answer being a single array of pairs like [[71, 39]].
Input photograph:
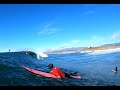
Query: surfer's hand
[[59, 77], [51, 72]]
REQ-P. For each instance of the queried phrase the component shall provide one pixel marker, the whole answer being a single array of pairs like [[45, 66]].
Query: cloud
[[75, 41], [65, 45], [25, 49], [100, 40], [88, 12], [115, 35], [97, 40], [70, 44], [92, 41], [48, 29]]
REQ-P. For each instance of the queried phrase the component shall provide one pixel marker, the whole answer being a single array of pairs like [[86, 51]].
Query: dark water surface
[[96, 70]]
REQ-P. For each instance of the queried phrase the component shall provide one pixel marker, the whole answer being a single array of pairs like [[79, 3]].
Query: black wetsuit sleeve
[[67, 75]]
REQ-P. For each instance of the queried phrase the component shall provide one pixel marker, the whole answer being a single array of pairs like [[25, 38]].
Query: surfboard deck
[[45, 74]]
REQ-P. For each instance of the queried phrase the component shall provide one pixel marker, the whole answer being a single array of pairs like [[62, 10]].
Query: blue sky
[[55, 26]]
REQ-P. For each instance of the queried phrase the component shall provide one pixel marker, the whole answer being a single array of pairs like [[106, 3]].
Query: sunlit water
[[95, 69]]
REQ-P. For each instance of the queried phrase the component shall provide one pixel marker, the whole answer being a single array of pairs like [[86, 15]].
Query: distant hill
[[74, 48], [79, 49], [114, 44], [66, 50]]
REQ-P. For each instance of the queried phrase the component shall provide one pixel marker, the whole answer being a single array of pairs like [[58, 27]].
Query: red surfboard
[[45, 74]]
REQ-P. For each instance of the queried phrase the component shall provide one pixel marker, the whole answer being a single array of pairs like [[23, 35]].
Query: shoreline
[[94, 49], [89, 50], [105, 50]]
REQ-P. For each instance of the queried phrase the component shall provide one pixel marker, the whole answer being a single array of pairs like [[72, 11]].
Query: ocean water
[[95, 69]]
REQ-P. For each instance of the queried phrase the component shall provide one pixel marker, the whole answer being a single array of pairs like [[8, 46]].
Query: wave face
[[37, 55], [96, 70]]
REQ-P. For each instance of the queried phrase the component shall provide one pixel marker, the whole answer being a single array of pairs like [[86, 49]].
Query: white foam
[[41, 55], [85, 51], [114, 71]]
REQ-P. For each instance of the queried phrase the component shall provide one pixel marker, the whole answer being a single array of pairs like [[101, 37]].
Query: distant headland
[[79, 49], [101, 48]]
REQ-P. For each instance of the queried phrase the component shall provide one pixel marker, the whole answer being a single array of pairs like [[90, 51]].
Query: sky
[[55, 26]]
